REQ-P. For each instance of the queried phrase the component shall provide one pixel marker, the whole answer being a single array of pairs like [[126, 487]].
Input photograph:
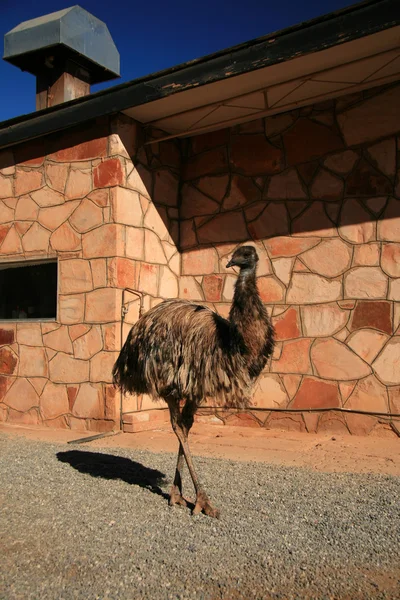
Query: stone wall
[[80, 197], [318, 192]]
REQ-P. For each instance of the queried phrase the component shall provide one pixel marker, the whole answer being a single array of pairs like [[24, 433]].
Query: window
[[28, 290]]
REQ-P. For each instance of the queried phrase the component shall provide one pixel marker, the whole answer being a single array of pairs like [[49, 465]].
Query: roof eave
[[319, 34]]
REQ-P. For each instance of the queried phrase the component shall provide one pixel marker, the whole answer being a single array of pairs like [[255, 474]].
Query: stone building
[[114, 201]]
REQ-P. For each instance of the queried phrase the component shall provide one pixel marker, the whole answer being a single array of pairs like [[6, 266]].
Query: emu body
[[181, 351]]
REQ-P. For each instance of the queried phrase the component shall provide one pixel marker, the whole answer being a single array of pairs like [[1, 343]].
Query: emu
[[185, 353]]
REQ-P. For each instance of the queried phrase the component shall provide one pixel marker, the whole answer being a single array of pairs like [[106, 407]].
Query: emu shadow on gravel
[[108, 466]]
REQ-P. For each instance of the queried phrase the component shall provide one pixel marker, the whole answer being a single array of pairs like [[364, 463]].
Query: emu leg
[[181, 424], [175, 496]]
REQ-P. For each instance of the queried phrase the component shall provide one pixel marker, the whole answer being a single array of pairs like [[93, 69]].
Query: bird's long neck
[[247, 310]]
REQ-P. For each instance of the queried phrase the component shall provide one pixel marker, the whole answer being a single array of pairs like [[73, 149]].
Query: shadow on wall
[[242, 186], [292, 174]]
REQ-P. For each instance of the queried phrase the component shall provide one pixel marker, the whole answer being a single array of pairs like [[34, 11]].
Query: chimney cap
[[72, 33]]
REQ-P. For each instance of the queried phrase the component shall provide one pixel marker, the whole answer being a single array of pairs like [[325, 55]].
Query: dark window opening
[[28, 291]]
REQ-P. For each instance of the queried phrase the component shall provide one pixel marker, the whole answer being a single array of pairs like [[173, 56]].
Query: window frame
[[15, 264]]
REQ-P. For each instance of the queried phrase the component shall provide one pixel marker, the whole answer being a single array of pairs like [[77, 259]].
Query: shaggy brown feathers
[[184, 351], [187, 352]]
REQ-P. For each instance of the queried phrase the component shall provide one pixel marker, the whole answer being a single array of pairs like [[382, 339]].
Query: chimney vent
[[67, 51]]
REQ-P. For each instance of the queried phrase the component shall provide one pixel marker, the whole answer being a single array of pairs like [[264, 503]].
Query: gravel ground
[[79, 522]]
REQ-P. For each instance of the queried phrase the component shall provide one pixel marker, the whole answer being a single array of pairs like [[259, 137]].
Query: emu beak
[[230, 264]]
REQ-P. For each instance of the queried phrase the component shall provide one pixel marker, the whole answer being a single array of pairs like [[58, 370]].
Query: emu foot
[[204, 505], [176, 497]]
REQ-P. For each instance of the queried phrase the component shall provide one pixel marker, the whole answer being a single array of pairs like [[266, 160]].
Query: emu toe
[[204, 505], [176, 497]]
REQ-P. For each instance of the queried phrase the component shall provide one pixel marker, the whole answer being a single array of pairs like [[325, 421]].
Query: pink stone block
[[87, 216], [330, 258], [106, 240], [99, 272], [26, 209], [212, 287], [100, 197], [153, 248], [47, 197], [30, 417], [366, 282], [270, 289], [101, 366], [323, 320], [122, 272], [148, 279], [65, 238], [32, 361], [88, 344], [29, 334], [189, 289], [89, 402], [36, 239], [6, 212], [108, 173], [308, 288], [103, 305], [168, 284], [269, 392], [316, 393], [294, 358], [65, 369], [287, 246], [333, 360], [77, 150], [53, 216], [27, 181], [156, 219], [79, 184], [21, 396], [200, 262], [126, 207], [56, 176], [71, 309], [366, 255], [76, 331], [75, 276], [7, 334], [59, 340], [12, 242], [287, 325], [54, 401], [111, 336]]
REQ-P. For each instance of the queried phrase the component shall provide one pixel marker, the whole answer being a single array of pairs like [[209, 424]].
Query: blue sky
[[156, 34]]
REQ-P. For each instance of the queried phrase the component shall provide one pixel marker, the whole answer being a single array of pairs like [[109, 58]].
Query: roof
[[344, 51]]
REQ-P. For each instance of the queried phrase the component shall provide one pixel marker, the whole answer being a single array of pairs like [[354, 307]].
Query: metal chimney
[[67, 51]]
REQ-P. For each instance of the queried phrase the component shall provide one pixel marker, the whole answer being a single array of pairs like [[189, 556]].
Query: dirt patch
[[328, 453]]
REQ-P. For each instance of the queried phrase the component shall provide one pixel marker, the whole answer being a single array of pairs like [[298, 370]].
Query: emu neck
[[246, 287], [248, 317], [246, 303]]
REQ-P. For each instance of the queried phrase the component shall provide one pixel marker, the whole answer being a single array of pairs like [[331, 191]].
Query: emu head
[[244, 257]]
